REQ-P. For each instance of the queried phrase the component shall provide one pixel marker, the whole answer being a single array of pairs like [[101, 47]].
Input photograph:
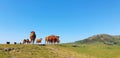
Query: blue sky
[[72, 20]]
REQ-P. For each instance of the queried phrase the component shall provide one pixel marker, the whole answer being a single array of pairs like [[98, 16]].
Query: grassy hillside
[[98, 50], [101, 38], [60, 51], [36, 51]]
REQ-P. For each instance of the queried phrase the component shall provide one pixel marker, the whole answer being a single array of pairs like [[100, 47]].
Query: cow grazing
[[28, 41], [32, 36], [15, 42], [58, 41], [48, 40], [24, 41], [39, 40], [7, 42], [52, 39]]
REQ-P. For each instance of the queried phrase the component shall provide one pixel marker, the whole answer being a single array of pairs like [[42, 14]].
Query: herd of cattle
[[52, 39]]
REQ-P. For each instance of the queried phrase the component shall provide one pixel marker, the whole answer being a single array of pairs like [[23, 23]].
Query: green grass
[[61, 51], [99, 51]]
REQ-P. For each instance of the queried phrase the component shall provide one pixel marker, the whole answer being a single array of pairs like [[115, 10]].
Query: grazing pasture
[[59, 51]]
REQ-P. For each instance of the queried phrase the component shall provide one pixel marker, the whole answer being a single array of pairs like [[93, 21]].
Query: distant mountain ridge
[[101, 38]]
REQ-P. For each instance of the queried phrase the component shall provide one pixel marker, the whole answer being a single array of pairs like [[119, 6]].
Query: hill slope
[[37, 51], [101, 38], [60, 51]]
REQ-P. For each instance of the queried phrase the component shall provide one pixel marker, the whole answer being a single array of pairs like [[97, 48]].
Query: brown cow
[[28, 41], [52, 39], [39, 40], [32, 36], [48, 40], [56, 39]]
